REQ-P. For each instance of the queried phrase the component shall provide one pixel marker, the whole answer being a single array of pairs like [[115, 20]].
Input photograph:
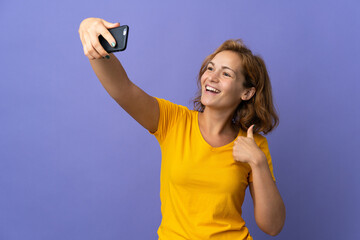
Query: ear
[[248, 93]]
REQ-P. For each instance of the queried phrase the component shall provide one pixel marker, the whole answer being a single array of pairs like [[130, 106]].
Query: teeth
[[212, 89]]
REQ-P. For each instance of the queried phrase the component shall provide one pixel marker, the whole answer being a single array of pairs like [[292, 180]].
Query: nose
[[214, 76]]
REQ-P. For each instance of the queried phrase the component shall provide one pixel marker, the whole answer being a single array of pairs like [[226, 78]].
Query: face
[[222, 82]]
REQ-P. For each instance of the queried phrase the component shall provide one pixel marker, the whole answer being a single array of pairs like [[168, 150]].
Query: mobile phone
[[120, 34]]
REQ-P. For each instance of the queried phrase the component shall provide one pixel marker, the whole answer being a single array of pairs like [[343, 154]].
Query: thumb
[[250, 132], [110, 25]]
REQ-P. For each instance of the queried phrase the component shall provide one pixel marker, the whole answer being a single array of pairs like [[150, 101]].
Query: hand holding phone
[[120, 34], [94, 30]]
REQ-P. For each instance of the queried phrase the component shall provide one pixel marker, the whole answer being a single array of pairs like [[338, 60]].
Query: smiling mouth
[[211, 89]]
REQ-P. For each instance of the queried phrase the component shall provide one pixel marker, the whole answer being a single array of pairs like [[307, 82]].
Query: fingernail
[[107, 56], [113, 44]]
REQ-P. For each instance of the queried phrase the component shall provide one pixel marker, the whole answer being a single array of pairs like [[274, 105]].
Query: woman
[[211, 154]]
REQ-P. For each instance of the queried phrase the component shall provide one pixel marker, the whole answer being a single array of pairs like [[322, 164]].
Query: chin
[[208, 104], [203, 102]]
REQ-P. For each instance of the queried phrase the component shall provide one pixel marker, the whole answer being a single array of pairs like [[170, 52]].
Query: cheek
[[230, 88], [234, 91], [202, 79]]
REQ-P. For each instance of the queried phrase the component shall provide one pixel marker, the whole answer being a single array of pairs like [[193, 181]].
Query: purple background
[[74, 165]]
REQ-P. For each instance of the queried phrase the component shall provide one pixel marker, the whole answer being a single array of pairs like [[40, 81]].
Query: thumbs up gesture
[[246, 150]]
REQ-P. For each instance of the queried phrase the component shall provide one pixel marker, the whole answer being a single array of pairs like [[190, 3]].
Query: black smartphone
[[120, 34]]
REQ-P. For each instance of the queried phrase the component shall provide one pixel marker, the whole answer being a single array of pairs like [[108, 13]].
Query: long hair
[[259, 109]]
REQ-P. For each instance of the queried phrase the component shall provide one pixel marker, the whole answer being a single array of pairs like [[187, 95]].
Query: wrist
[[259, 162]]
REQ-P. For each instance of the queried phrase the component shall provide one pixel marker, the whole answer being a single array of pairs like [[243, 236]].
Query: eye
[[209, 68], [227, 74]]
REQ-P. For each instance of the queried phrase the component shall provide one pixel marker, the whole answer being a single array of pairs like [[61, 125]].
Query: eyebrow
[[223, 67]]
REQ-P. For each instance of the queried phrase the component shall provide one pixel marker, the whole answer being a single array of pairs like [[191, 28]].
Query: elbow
[[274, 231], [273, 228], [279, 226]]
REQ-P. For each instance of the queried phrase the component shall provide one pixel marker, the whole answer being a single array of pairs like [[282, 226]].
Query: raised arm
[[141, 106]]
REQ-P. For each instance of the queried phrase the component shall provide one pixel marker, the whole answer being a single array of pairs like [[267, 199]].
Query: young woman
[[211, 154]]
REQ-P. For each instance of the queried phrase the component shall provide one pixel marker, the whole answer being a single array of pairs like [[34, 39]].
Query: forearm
[[112, 75], [137, 103], [269, 208]]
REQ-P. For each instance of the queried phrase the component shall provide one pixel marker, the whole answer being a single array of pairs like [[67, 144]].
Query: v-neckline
[[205, 142]]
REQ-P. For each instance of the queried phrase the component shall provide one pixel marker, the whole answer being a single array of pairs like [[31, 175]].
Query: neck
[[216, 123]]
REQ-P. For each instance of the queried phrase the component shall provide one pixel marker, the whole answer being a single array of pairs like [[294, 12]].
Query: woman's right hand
[[89, 31]]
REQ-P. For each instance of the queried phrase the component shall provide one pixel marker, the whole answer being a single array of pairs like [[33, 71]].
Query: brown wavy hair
[[259, 109]]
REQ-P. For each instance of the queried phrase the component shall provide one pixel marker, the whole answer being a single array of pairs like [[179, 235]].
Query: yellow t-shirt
[[202, 187]]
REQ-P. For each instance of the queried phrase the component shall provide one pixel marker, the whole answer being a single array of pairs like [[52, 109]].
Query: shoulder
[[163, 101], [260, 139], [172, 109]]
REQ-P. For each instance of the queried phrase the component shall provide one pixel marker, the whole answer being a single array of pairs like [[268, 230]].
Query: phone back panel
[[120, 34]]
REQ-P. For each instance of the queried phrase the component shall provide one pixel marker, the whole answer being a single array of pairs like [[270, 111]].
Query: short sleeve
[[169, 113], [263, 145]]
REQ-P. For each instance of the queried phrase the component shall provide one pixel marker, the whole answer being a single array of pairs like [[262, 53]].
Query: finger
[[85, 46], [81, 39], [109, 24], [97, 50], [234, 154], [83, 42], [239, 139], [88, 47], [107, 35], [250, 132]]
